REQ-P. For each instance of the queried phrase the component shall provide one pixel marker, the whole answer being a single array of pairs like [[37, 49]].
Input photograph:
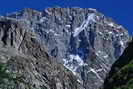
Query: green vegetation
[[7, 79], [122, 79], [10, 80]]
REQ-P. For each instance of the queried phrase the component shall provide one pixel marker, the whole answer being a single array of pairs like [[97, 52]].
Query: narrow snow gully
[[84, 25]]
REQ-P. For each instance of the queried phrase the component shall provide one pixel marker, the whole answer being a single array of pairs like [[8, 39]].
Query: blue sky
[[120, 10]]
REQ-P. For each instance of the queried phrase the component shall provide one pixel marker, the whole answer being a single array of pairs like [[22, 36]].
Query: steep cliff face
[[23, 55], [121, 74], [82, 40]]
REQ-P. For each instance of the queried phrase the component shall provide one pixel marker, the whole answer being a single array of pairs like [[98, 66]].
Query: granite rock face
[[23, 55], [83, 41]]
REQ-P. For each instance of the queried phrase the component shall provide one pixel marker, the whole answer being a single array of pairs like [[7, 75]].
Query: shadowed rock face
[[82, 40], [121, 73]]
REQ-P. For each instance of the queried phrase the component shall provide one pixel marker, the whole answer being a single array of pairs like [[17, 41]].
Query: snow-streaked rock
[[79, 39], [84, 25], [73, 62]]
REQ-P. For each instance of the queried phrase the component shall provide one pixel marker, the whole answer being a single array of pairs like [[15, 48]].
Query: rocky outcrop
[[121, 73], [74, 44], [24, 55]]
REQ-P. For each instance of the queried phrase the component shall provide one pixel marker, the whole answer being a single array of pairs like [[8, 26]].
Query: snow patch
[[53, 32], [110, 32], [96, 73], [117, 35], [79, 81], [111, 24], [73, 62], [102, 54], [68, 26], [122, 43], [105, 56], [98, 53], [92, 9], [100, 33], [43, 19], [84, 25], [77, 58], [121, 34]]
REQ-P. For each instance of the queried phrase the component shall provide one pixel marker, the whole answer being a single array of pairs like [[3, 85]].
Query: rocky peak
[[83, 40], [26, 13]]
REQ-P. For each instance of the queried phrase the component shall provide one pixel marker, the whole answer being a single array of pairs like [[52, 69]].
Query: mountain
[[121, 73], [60, 48], [24, 57]]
